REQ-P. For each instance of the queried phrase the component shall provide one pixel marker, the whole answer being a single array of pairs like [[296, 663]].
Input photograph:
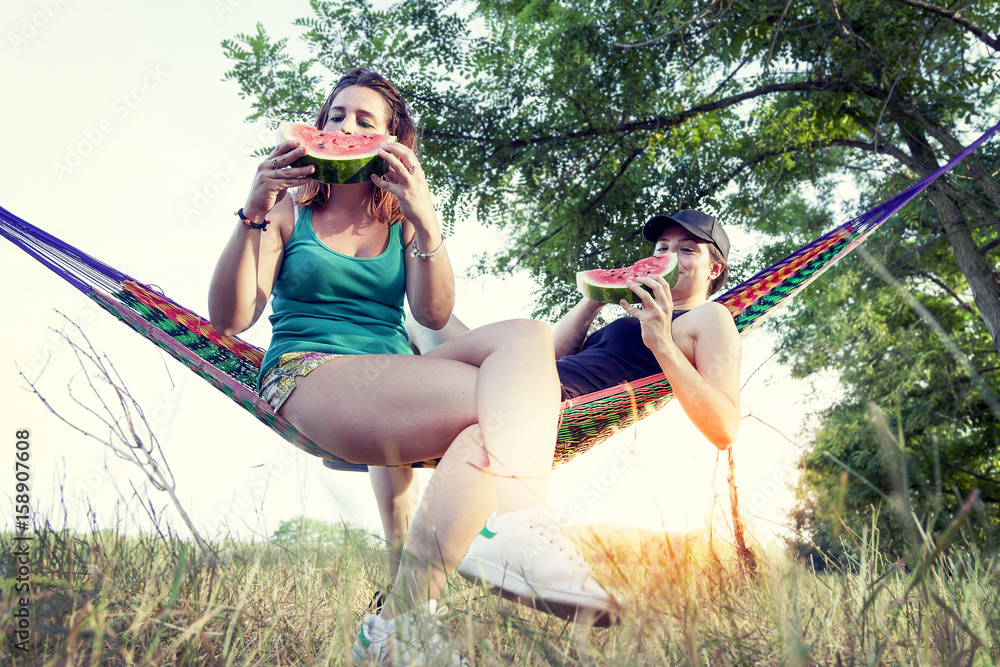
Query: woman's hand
[[656, 313], [275, 175], [707, 386], [406, 180]]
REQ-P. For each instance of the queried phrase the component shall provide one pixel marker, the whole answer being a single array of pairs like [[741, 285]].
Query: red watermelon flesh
[[339, 158], [610, 285]]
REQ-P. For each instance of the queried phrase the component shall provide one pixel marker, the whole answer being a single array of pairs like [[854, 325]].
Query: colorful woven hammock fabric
[[231, 364]]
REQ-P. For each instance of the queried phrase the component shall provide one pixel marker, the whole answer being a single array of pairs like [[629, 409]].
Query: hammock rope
[[231, 364]]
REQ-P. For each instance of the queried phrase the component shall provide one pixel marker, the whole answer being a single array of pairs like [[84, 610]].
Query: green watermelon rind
[[357, 169], [343, 172], [609, 294]]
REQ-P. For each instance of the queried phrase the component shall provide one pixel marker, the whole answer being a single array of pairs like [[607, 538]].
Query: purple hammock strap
[[68, 262], [593, 418], [868, 221]]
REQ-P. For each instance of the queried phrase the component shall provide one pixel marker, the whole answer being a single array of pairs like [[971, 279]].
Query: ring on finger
[[276, 173], [274, 163], [411, 169]]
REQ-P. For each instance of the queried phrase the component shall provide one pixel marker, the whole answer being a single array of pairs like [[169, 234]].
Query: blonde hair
[[399, 122]]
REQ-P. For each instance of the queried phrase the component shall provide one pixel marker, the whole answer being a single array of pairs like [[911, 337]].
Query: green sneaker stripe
[[365, 642], [487, 533]]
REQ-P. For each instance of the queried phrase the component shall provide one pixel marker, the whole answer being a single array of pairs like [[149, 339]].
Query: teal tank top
[[325, 301]]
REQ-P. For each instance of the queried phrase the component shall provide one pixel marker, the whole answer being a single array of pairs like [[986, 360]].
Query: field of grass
[[101, 598]]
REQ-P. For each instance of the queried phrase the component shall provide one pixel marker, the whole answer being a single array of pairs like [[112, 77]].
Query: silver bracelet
[[425, 255]]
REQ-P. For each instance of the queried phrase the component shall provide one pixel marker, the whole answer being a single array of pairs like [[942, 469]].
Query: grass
[[106, 598]]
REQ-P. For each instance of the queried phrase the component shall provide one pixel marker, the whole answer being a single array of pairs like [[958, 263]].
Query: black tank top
[[611, 356]]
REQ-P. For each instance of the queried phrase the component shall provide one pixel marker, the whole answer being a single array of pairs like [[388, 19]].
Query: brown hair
[[399, 122], [715, 255]]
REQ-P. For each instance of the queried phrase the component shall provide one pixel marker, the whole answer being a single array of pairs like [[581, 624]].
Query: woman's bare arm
[[571, 330]]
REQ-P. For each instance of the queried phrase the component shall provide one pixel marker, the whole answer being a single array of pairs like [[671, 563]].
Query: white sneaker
[[409, 639], [527, 557]]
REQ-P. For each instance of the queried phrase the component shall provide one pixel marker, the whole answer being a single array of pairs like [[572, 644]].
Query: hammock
[[231, 364]]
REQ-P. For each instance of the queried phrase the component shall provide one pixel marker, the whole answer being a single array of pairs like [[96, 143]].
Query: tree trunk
[[982, 278], [977, 170]]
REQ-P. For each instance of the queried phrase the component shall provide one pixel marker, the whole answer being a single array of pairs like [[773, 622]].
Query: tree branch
[[774, 37], [853, 36], [951, 145], [656, 40], [142, 450], [947, 290], [971, 474], [621, 171], [661, 122], [767, 155], [732, 75], [989, 247], [981, 34]]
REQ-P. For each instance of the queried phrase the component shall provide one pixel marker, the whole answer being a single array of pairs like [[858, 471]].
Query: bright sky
[[123, 140]]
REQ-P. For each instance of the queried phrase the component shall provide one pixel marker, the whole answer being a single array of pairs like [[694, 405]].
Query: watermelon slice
[[609, 285], [339, 158]]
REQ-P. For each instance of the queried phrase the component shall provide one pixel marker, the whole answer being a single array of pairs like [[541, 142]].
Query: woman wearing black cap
[[678, 332], [699, 353]]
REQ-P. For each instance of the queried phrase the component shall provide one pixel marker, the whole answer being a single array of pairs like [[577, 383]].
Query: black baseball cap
[[700, 224]]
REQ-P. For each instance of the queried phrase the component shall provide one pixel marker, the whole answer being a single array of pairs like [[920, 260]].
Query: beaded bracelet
[[252, 225], [425, 255]]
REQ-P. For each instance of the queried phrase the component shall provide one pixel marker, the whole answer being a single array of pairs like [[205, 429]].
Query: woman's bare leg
[[395, 489], [393, 409], [397, 494], [389, 409], [517, 398], [445, 522]]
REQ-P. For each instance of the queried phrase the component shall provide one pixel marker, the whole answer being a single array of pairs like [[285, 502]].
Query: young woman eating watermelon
[[338, 260], [678, 332]]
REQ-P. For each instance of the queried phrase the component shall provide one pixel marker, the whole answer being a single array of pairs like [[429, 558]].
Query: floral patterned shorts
[[278, 383]]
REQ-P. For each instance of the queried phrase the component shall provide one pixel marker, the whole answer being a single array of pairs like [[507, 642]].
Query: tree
[[313, 532], [564, 125]]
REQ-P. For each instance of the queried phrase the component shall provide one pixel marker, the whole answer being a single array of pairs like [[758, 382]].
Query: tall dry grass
[[103, 598]]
